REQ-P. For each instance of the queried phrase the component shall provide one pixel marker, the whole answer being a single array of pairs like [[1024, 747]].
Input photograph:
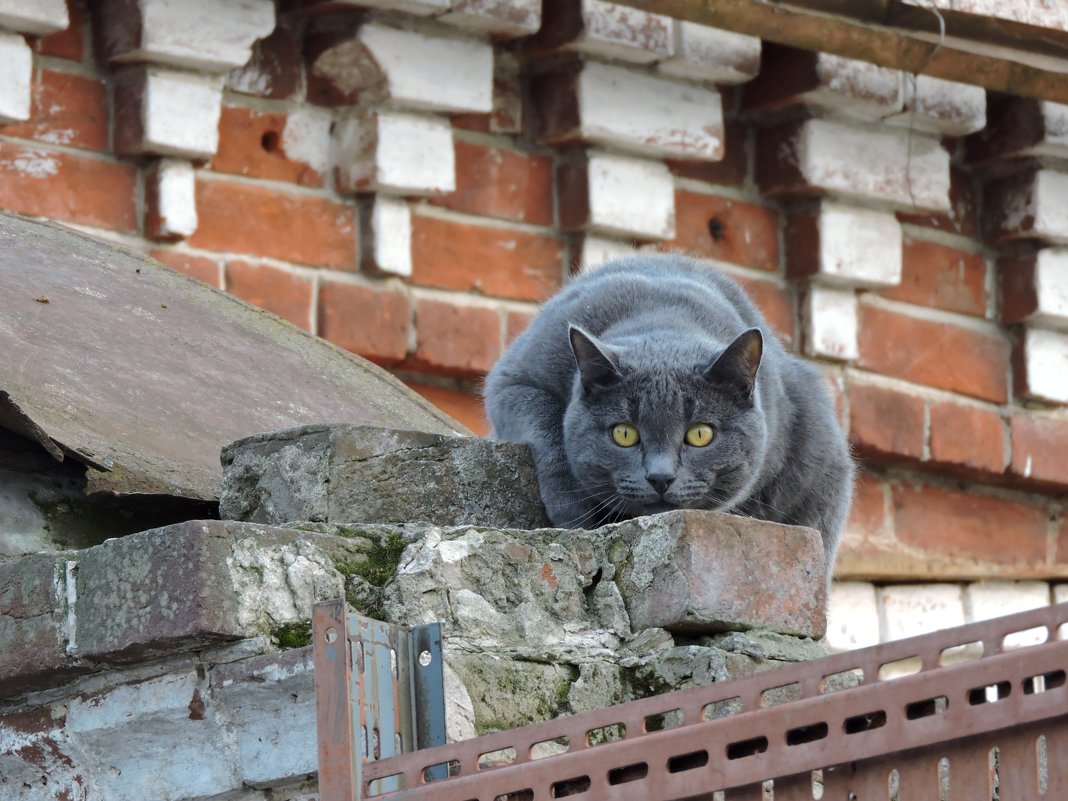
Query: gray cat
[[653, 383]]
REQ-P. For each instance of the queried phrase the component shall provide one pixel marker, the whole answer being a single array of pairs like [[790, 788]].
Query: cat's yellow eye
[[625, 435], [700, 434]]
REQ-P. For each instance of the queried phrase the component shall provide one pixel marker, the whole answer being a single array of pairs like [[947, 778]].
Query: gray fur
[[649, 332]]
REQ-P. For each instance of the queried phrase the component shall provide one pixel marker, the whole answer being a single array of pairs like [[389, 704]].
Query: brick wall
[[409, 179]]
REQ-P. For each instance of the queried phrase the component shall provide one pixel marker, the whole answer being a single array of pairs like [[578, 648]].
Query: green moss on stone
[[293, 635], [381, 563]]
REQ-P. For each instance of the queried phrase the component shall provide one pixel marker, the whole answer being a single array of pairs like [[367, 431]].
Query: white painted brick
[[989, 599], [503, 18], [387, 235], [858, 247], [829, 317], [306, 137], [649, 115], [405, 68], [874, 163], [852, 616], [196, 34], [175, 192], [630, 196], [612, 31], [395, 152], [181, 113], [1051, 288], [855, 88], [1030, 206], [1044, 361], [36, 17], [937, 106], [914, 609], [704, 53], [596, 250], [16, 67], [1060, 596], [420, 8], [1055, 130]]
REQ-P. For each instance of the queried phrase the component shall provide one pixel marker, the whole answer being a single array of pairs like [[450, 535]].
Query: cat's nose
[[660, 481]]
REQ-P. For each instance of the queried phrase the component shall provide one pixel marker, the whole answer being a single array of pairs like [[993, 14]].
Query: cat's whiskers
[[594, 513]]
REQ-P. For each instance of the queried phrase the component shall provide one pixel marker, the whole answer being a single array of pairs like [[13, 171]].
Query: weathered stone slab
[[704, 571], [364, 474], [158, 593]]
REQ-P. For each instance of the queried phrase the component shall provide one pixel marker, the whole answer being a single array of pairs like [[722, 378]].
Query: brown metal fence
[[990, 728]]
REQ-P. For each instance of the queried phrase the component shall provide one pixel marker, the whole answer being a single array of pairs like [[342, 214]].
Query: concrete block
[[632, 111], [16, 65], [606, 30], [820, 156], [988, 599], [170, 200], [504, 19], [362, 474], [705, 571], [703, 53], [1034, 288], [617, 195], [844, 246], [852, 616], [829, 323], [166, 113], [1039, 361], [195, 34], [790, 77], [34, 17], [940, 107], [401, 67], [395, 152], [386, 235], [1032, 205]]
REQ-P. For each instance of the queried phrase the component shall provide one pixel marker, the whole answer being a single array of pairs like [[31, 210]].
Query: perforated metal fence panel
[[949, 716]]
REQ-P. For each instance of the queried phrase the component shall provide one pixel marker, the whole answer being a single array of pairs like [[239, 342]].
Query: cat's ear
[[595, 365], [737, 365]]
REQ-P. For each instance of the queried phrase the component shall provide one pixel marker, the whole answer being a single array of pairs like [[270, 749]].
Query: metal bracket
[[379, 691]]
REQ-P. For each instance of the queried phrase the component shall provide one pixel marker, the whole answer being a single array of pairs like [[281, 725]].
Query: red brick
[[884, 422], [1019, 291], [941, 277], [198, 267], [963, 527], [732, 170], [515, 323], [1040, 449], [68, 44], [728, 230], [774, 301], [492, 261], [238, 218], [935, 354], [370, 322], [67, 110], [465, 407], [963, 215], [279, 292], [967, 437], [868, 513], [253, 143], [493, 182], [462, 340], [67, 187]]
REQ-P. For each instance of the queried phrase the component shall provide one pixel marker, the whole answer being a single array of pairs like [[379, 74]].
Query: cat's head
[[657, 424]]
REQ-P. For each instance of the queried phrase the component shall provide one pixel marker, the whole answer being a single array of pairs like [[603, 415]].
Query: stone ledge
[[348, 473], [157, 593]]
